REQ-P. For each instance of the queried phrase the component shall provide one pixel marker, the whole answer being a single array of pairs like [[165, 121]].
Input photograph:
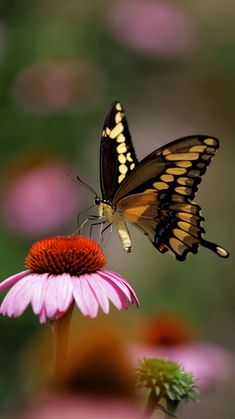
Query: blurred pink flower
[[40, 199], [71, 407], [170, 336], [48, 86], [152, 26], [61, 271]]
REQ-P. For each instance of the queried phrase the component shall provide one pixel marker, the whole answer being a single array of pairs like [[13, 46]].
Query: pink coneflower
[[48, 86], [65, 271], [169, 336], [51, 200], [152, 26], [62, 271]]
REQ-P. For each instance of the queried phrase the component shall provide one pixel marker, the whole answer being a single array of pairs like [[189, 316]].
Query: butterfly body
[[106, 211], [156, 194]]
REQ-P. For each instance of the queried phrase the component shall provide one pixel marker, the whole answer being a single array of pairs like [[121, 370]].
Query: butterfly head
[[97, 201]]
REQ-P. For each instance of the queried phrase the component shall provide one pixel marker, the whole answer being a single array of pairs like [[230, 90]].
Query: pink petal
[[42, 316], [119, 278], [19, 296], [99, 293], [111, 279], [110, 290], [37, 298], [89, 297], [65, 292], [78, 295], [51, 298], [13, 279]]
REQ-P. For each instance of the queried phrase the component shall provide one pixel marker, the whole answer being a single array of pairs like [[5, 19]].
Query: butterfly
[[156, 194]]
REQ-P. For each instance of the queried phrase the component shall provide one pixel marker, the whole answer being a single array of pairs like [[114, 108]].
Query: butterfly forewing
[[175, 169], [117, 154]]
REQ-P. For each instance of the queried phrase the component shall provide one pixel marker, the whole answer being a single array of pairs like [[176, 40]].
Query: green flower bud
[[166, 379]]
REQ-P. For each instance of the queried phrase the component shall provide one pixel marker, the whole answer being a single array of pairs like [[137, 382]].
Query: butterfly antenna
[[86, 186]]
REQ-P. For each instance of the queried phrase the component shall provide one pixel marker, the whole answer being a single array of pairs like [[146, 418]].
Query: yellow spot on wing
[[121, 148], [120, 178], [166, 152], [167, 178], [176, 171], [177, 246], [182, 190], [182, 156], [118, 117], [184, 225], [199, 148], [121, 158], [210, 141], [116, 130], [160, 185], [186, 216], [118, 107], [128, 156], [180, 234], [184, 164], [123, 169], [185, 181], [132, 166], [120, 138], [185, 207]]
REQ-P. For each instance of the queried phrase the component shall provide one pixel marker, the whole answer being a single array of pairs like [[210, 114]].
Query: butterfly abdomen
[[106, 211], [123, 233]]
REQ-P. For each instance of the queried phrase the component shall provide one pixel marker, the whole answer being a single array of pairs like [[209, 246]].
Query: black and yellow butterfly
[[155, 194]]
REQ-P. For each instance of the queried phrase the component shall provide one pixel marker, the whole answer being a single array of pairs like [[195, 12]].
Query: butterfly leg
[[79, 215], [97, 224], [90, 218], [110, 233], [102, 230]]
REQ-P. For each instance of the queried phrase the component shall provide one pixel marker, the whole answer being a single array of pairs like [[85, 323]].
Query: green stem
[[151, 406], [153, 403], [60, 329]]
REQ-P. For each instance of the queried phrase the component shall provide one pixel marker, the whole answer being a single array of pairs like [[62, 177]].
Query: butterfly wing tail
[[220, 251]]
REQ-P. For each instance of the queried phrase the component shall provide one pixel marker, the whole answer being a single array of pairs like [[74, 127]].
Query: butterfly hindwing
[[175, 227], [117, 154], [157, 196]]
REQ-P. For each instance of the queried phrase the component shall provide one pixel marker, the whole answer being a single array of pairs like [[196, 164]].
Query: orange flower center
[[65, 254], [168, 330]]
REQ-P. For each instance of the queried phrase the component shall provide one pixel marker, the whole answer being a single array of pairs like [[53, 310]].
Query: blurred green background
[[61, 65]]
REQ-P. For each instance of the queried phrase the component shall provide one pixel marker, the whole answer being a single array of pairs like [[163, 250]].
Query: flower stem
[[151, 406], [60, 329]]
